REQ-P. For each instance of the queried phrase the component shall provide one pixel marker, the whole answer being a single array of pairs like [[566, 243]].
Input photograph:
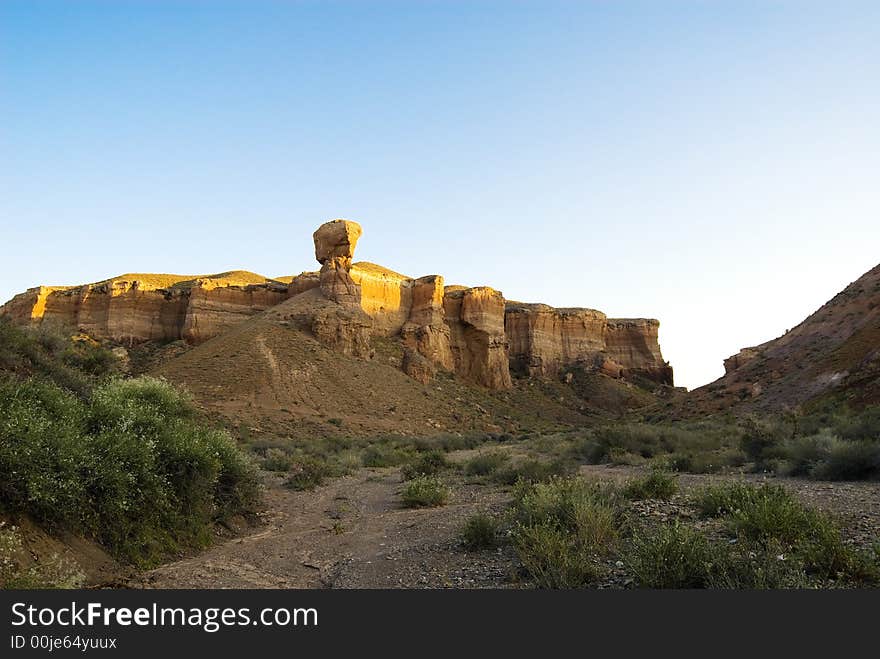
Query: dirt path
[[353, 533], [350, 533]]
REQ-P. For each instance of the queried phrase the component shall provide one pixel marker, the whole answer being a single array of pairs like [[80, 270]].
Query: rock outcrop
[[633, 344], [543, 339], [472, 332], [135, 308], [426, 331], [475, 317], [334, 248], [740, 359]]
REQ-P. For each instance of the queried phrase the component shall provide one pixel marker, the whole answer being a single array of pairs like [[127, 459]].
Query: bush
[[307, 474], [677, 556], [777, 524], [130, 466], [672, 556], [803, 454], [531, 471], [552, 559], [486, 463], [762, 442], [49, 352], [656, 485], [850, 460], [276, 459], [425, 492], [719, 500], [701, 447], [384, 455], [480, 532], [562, 527], [426, 464]]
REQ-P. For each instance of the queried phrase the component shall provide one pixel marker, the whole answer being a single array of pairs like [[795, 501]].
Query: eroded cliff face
[[475, 317], [128, 309], [212, 309], [633, 344], [472, 332], [543, 339]]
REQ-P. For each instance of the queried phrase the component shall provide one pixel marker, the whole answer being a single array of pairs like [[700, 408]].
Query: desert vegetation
[[575, 533], [831, 443], [127, 462]]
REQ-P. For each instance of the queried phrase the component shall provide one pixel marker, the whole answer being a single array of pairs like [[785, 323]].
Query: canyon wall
[[473, 332], [129, 310]]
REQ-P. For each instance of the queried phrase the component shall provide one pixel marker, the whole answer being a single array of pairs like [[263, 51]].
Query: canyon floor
[[354, 533]]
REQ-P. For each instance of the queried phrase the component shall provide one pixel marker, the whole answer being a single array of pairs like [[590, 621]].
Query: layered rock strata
[[472, 332]]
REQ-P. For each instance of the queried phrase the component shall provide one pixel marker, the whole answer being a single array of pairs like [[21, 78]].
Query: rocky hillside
[[376, 346], [833, 353], [473, 332]]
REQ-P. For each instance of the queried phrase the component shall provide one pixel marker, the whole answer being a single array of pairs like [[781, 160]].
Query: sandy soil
[[350, 533]]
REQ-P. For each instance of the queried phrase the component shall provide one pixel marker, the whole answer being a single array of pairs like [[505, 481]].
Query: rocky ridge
[[834, 352], [472, 332]]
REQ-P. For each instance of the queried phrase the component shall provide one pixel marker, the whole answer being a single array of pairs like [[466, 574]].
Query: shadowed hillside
[[833, 353]]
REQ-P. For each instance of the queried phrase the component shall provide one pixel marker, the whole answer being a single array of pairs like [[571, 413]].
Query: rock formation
[[475, 317], [543, 340], [835, 353], [334, 248], [426, 331], [633, 344], [472, 332]]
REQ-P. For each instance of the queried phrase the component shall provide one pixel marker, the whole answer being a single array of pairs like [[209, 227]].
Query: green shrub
[[531, 471], [480, 532], [803, 455], [724, 499], [276, 459], [307, 473], [699, 447], [384, 455], [426, 464], [762, 441], [672, 556], [425, 492], [776, 524], [678, 556], [859, 426], [850, 460], [656, 485], [48, 351], [562, 527], [485, 463], [131, 466], [552, 558], [449, 443]]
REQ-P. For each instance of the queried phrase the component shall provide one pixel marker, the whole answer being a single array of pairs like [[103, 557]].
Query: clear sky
[[715, 165]]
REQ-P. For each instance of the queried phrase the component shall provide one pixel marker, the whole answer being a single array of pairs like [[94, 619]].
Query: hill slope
[[271, 377], [834, 352]]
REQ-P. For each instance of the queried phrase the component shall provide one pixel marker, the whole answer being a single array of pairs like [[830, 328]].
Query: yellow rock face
[[336, 240], [472, 332]]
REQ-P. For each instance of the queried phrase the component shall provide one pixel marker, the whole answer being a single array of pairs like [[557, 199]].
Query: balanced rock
[[334, 248]]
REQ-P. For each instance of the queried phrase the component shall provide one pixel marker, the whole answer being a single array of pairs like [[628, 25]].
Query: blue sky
[[711, 164]]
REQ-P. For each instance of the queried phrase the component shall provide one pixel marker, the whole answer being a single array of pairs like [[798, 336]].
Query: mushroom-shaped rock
[[336, 240], [334, 248]]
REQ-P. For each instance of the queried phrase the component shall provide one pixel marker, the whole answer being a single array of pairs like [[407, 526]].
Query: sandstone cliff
[[136, 308], [472, 332]]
